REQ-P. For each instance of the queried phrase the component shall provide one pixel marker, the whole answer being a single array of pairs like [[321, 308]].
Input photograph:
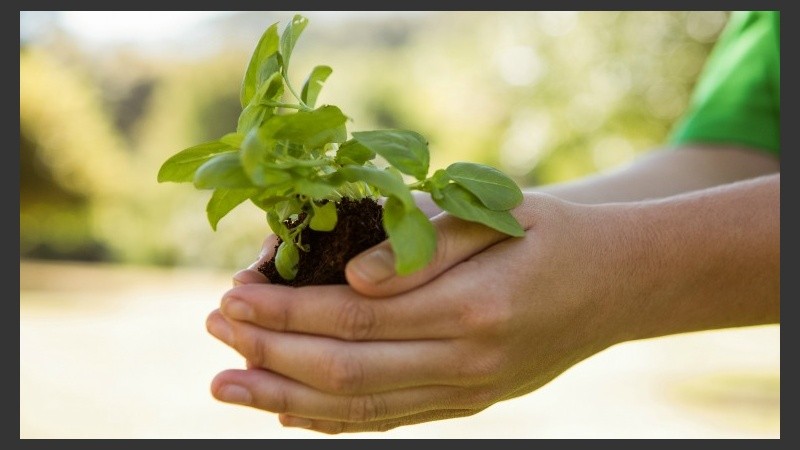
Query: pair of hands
[[490, 319]]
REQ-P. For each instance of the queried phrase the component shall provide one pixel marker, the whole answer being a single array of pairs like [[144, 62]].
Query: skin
[[682, 240]]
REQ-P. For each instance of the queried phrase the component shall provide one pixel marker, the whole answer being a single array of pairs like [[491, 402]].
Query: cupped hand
[[492, 318]]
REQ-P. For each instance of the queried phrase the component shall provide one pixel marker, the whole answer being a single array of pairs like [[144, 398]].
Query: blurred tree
[[71, 160]]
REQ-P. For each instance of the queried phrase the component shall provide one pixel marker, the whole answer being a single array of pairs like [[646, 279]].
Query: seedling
[[295, 161]]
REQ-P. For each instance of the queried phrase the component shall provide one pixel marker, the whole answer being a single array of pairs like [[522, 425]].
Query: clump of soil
[[358, 227]]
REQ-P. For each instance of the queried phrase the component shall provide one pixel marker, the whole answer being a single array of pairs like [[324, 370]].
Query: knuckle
[[365, 408], [491, 316], [473, 367], [258, 351], [281, 402], [344, 374], [443, 247], [356, 320]]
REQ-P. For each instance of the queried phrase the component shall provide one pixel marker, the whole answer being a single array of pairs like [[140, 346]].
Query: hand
[[492, 318]]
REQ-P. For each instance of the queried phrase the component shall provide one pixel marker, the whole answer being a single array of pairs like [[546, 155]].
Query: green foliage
[[294, 161]]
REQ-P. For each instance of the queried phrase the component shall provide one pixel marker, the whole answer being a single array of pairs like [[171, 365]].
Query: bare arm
[[703, 260], [665, 172]]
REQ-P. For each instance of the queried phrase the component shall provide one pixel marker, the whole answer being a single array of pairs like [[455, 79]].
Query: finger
[[336, 427], [272, 392], [337, 311], [341, 367], [372, 272], [426, 204], [251, 274]]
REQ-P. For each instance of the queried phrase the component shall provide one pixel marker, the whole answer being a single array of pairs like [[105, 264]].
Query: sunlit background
[[117, 271]]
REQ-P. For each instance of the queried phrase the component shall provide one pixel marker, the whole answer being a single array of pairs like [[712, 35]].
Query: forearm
[[704, 260], [666, 172]]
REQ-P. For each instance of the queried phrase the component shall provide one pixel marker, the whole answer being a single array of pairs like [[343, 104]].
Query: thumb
[[251, 274], [372, 272]]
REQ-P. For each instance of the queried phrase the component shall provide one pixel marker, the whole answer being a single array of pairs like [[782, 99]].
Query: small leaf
[[459, 202], [492, 187], [437, 182], [232, 139], [252, 116], [289, 38], [222, 171], [266, 199], [223, 201], [267, 45], [383, 180], [351, 152], [411, 234], [315, 189], [286, 259], [277, 226], [324, 218], [405, 150], [181, 167], [268, 71], [313, 84], [311, 128], [256, 112], [254, 155]]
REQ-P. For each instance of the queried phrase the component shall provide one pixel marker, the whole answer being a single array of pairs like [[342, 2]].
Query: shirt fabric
[[737, 97]]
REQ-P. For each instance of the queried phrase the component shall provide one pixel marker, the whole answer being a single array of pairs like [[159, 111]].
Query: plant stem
[[287, 105], [303, 105]]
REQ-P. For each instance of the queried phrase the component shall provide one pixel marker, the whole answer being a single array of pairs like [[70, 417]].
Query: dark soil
[[358, 227]]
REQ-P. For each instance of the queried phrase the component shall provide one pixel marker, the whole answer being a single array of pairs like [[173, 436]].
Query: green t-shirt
[[738, 96]]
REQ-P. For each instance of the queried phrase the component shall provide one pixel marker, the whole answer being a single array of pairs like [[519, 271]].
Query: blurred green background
[[118, 272], [543, 96]]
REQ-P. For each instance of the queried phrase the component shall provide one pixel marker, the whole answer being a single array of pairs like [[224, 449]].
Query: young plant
[[295, 161]]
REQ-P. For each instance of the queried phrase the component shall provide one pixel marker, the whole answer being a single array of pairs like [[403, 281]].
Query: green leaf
[[459, 202], [232, 139], [288, 208], [310, 128], [252, 116], [313, 84], [182, 166], [286, 259], [437, 182], [383, 180], [351, 152], [324, 218], [223, 201], [266, 199], [270, 67], [315, 189], [492, 187], [277, 226], [411, 234], [254, 155], [267, 45], [405, 150], [289, 38], [222, 171]]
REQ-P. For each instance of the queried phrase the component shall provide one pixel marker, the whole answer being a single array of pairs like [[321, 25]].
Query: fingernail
[[296, 422], [233, 393], [375, 266], [220, 328], [237, 309]]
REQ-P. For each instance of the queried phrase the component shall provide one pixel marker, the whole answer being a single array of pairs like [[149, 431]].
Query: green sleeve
[[737, 98]]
